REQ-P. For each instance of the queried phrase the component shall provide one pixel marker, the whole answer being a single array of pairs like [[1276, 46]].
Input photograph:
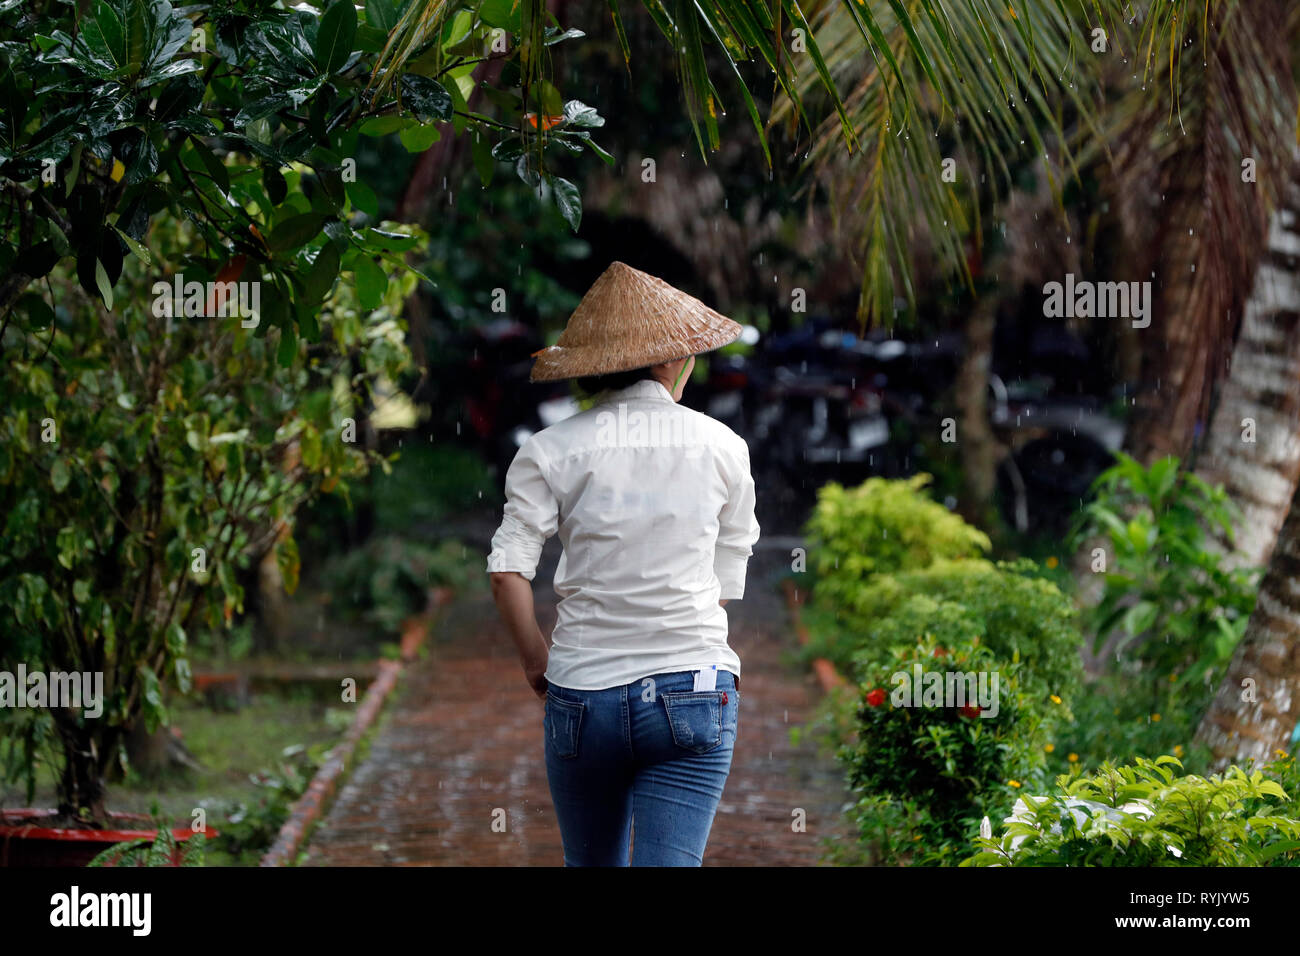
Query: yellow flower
[[1055, 699], [1172, 678], [1155, 718], [1014, 783], [1052, 562], [1049, 747], [1280, 753], [915, 838], [1073, 758], [1178, 750]]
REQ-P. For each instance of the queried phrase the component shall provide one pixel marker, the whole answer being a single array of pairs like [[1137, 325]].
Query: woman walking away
[[654, 505]]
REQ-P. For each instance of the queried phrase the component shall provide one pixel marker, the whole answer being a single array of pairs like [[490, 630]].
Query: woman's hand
[[723, 602], [514, 599], [537, 680]]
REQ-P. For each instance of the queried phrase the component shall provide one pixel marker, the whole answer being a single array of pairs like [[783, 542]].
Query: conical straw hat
[[629, 319]]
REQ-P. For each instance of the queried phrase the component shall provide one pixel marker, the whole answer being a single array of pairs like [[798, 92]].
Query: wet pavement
[[454, 774]]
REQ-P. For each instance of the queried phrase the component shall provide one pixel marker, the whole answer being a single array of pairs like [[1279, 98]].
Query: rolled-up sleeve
[[531, 515], [737, 528]]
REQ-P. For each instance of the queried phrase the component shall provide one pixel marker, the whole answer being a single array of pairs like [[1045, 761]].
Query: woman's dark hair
[[592, 384]]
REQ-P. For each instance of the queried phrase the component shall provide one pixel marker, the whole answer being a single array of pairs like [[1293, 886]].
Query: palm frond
[[984, 85]]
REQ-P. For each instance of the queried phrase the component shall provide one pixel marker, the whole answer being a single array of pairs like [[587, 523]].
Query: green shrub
[[1168, 593], [388, 579], [1018, 615], [881, 526], [250, 828], [1144, 814], [929, 769]]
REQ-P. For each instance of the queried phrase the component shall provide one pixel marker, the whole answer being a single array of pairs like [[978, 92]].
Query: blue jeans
[[653, 753]]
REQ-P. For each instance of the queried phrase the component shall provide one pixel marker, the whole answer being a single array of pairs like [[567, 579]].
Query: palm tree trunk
[[978, 445], [1258, 704], [1260, 399]]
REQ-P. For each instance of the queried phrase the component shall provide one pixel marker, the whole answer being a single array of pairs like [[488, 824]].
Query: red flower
[[970, 710], [876, 697], [940, 652]]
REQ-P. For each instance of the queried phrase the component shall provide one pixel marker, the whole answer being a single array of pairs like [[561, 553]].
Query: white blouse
[[654, 504]]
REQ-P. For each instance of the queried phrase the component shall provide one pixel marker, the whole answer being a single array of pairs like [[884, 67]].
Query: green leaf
[[1139, 618], [105, 35], [214, 166], [59, 475], [39, 314], [591, 144], [320, 278], [372, 282], [288, 348], [509, 149], [569, 201], [386, 125], [556, 37], [296, 231], [273, 181], [549, 101], [426, 96], [507, 14], [417, 139], [1276, 849], [335, 37], [154, 710], [105, 286], [381, 14], [396, 241], [139, 251], [363, 198], [582, 116]]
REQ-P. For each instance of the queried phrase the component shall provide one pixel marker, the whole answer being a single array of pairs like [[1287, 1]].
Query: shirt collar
[[645, 388]]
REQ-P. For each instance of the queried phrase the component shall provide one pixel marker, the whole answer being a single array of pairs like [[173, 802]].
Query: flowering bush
[[929, 763], [1145, 814]]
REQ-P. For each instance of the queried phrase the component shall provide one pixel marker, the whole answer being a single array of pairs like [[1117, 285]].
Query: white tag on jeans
[[707, 679]]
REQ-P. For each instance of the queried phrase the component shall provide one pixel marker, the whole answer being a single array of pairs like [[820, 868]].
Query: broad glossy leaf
[[427, 97], [295, 231], [507, 14], [381, 14], [372, 282], [569, 201], [335, 36], [417, 139]]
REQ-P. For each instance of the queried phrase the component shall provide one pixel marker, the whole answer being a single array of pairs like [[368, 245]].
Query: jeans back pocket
[[562, 724], [695, 718]]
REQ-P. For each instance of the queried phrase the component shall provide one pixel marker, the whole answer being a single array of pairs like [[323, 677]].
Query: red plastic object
[[29, 844]]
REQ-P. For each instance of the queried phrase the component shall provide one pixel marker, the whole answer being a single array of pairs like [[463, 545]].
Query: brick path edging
[[825, 671], [308, 809]]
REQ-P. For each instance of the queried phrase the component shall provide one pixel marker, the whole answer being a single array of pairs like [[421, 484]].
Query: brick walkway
[[462, 740]]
